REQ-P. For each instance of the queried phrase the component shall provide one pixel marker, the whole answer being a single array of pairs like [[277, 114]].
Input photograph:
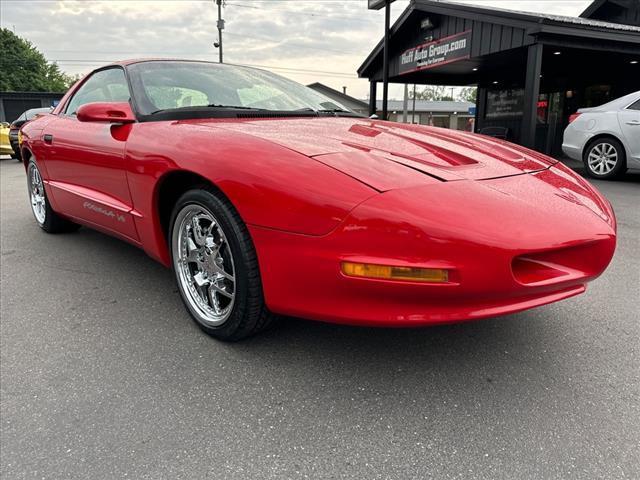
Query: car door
[[85, 161], [629, 119]]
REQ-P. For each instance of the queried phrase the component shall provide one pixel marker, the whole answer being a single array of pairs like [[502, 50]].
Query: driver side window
[[103, 86]]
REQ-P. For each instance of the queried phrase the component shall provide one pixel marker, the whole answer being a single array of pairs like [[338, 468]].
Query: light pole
[[218, 44]]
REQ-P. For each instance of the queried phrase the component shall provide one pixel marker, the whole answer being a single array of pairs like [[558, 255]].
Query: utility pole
[[413, 113], [218, 44]]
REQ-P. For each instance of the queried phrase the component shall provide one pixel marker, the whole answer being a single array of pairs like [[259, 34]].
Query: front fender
[[270, 186]]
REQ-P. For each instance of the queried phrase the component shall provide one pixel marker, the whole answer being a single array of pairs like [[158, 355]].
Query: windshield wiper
[[322, 110], [333, 110], [235, 107], [212, 105]]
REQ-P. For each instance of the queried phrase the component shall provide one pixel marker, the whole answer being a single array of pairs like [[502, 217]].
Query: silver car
[[606, 138]]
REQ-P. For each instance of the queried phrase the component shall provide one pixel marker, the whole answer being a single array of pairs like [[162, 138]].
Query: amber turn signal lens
[[387, 272]]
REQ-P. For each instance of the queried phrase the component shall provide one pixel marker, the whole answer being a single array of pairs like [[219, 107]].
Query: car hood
[[389, 155]]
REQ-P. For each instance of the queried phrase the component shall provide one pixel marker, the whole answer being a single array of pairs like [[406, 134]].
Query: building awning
[[594, 34]]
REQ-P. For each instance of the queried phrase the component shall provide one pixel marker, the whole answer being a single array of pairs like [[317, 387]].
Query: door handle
[[633, 122], [48, 138]]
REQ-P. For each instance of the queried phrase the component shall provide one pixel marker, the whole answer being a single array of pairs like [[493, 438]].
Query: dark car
[[19, 122]]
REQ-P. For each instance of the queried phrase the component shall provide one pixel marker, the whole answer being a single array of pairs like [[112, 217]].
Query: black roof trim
[[597, 4], [591, 9], [499, 15]]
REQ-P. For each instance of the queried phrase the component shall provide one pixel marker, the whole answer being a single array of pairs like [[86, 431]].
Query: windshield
[[161, 86]]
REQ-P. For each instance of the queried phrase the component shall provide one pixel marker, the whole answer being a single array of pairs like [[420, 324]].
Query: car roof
[[131, 61]]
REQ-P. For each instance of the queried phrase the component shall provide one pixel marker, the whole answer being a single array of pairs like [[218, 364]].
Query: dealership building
[[532, 70]]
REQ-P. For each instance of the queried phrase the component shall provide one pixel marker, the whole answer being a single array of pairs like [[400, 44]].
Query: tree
[[434, 93], [468, 94], [24, 69], [444, 93], [430, 93]]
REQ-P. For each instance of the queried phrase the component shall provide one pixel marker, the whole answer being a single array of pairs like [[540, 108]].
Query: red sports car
[[267, 198]]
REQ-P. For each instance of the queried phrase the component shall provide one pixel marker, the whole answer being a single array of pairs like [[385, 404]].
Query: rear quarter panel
[[588, 125]]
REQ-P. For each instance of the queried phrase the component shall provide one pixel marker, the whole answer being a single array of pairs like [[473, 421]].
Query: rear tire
[[216, 266], [46, 218], [605, 159]]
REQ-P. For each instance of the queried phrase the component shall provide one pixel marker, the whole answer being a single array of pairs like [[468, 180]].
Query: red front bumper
[[509, 246]]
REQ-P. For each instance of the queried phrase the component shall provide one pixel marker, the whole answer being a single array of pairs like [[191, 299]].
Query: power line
[[299, 45], [253, 37], [305, 70], [308, 14], [100, 62]]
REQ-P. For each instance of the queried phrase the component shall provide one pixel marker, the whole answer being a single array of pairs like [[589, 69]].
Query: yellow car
[[5, 146]]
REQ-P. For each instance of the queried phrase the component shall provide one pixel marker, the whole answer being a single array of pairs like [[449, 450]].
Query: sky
[[306, 40]]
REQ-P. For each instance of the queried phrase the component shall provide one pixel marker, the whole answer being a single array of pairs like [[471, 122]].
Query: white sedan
[[606, 138]]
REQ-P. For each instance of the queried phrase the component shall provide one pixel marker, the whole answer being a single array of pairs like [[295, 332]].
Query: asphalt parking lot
[[104, 375]]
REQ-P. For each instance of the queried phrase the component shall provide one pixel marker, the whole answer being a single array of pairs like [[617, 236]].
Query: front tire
[[45, 217], [216, 266], [605, 159]]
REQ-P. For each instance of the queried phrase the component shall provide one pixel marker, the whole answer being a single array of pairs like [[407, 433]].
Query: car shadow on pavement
[[483, 350], [382, 361], [376, 344]]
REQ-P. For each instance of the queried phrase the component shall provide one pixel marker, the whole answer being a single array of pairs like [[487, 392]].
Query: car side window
[[634, 106], [104, 86]]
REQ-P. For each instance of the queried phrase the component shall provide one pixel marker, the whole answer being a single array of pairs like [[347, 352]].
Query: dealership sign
[[439, 52]]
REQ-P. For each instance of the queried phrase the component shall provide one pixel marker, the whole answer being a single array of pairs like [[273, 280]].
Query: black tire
[[248, 314], [48, 220], [598, 147]]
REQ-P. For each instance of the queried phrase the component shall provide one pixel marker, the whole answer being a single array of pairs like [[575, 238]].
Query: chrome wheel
[[602, 158], [204, 265], [36, 194]]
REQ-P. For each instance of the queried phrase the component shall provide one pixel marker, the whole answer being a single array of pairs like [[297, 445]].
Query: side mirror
[[374, 117], [109, 112]]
